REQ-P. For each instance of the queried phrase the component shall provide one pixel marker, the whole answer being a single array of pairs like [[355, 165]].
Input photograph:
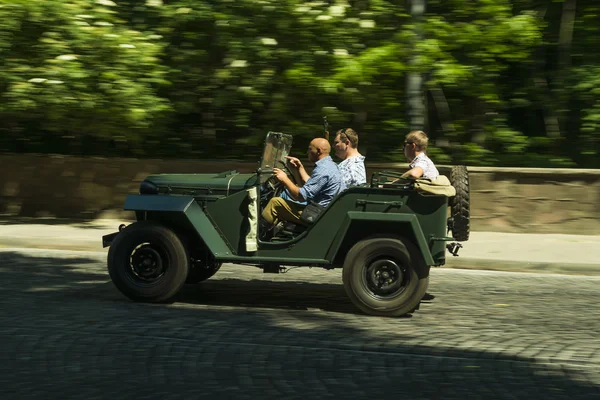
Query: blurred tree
[[73, 71], [580, 80], [473, 52], [506, 82]]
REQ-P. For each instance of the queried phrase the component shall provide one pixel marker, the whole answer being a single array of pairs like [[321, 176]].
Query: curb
[[72, 245], [522, 266], [451, 262]]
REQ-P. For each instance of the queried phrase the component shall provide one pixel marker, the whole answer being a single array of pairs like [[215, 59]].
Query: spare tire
[[460, 204]]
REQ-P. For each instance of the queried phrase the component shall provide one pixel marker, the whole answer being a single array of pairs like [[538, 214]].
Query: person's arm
[[414, 173], [296, 163], [314, 186], [293, 190]]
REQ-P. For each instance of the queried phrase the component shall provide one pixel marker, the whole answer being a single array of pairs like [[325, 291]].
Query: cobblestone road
[[66, 333]]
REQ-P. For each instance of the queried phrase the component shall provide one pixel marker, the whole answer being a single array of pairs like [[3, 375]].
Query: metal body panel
[[350, 217], [145, 202], [400, 223], [230, 215], [222, 184], [212, 237], [181, 209]]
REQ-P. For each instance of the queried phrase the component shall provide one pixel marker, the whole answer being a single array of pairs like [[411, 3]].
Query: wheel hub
[[147, 263], [385, 277]]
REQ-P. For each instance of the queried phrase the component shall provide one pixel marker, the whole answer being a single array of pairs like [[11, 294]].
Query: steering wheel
[[274, 185]]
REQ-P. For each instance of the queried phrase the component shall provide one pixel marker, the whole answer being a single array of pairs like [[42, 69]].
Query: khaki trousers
[[279, 210]]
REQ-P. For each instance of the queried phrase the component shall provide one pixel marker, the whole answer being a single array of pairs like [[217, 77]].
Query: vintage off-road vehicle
[[385, 234]]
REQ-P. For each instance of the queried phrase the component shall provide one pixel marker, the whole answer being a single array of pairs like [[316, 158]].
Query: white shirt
[[425, 163]]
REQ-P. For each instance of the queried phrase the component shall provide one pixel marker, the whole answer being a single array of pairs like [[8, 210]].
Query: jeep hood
[[224, 183]]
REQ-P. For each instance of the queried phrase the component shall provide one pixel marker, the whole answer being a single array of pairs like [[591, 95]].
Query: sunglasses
[[342, 133]]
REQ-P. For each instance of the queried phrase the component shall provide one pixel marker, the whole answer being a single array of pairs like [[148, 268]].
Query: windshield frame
[[277, 146]]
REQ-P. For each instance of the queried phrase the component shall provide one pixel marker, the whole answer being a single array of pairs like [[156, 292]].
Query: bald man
[[320, 187]]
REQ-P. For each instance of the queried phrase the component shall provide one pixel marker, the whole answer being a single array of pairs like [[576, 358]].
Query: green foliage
[[75, 70], [199, 78]]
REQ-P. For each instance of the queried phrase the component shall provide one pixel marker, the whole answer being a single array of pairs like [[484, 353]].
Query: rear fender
[[175, 210], [359, 225]]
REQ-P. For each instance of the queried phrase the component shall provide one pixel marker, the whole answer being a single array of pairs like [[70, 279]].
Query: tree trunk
[[414, 81], [443, 108], [550, 119], [565, 39], [360, 119], [478, 121], [551, 123]]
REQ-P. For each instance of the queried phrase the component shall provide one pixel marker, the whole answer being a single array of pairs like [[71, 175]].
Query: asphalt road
[[66, 333]]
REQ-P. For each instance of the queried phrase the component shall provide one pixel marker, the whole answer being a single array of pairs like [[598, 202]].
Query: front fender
[[187, 207]]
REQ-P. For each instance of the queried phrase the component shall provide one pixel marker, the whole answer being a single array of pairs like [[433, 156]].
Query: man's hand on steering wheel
[[280, 174]]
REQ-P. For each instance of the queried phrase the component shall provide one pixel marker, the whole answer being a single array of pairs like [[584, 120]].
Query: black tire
[[148, 262], [400, 258], [460, 204], [201, 272]]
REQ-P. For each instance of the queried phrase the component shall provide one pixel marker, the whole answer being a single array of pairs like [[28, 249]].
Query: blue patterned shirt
[[353, 171], [324, 183]]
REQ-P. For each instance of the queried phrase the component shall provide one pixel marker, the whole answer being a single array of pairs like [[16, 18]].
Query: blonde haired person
[[421, 166]]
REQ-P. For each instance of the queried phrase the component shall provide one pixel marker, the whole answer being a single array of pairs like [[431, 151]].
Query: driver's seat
[[288, 232], [309, 215], [293, 229]]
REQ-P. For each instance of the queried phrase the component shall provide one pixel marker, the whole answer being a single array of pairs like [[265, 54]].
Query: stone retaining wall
[[502, 199]]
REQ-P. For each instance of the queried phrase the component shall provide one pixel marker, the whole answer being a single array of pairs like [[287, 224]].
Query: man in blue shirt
[[320, 187]]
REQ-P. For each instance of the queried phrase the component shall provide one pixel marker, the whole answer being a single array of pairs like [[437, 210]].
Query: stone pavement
[[67, 333], [555, 253]]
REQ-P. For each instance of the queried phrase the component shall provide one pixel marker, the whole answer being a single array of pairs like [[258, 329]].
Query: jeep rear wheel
[[380, 276], [460, 203], [148, 262]]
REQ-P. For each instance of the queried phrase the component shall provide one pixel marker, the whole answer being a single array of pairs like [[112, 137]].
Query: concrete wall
[[502, 199]]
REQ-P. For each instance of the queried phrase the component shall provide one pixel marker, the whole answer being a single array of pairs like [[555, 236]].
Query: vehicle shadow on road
[[75, 275], [296, 295], [40, 273]]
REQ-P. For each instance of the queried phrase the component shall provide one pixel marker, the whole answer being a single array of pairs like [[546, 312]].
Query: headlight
[[147, 187]]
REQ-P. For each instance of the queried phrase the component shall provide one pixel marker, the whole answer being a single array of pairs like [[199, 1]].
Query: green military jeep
[[385, 234]]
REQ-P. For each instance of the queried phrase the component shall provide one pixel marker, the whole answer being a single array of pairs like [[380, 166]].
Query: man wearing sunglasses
[[421, 166]]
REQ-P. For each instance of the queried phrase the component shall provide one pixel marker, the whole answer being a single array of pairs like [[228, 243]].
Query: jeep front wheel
[[148, 262], [380, 276]]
